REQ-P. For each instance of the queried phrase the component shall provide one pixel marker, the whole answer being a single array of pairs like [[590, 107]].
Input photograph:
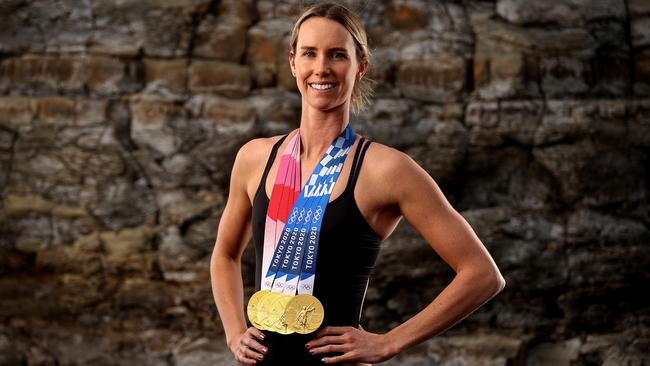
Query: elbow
[[490, 281], [496, 282], [500, 282]]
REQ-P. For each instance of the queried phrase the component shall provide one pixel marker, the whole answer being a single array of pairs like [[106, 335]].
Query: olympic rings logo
[[317, 214], [292, 219], [306, 286], [308, 215]]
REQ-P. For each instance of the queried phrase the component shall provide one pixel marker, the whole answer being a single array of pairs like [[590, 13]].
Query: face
[[325, 64]]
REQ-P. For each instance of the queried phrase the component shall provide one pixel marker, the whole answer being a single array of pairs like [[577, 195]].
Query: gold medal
[[254, 309], [304, 314], [264, 308], [273, 310], [275, 320]]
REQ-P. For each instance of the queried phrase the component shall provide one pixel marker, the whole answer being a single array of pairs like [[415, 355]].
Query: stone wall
[[119, 122]]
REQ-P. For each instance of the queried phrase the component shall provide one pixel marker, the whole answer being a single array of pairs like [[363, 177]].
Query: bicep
[[424, 206]]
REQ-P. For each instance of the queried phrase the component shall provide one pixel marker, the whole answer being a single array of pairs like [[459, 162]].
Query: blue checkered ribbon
[[293, 266]]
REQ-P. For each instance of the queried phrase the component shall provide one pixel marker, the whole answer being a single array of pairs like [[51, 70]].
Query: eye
[[339, 55], [308, 53]]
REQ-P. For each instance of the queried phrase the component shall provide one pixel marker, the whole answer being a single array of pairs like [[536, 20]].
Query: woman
[[376, 187]]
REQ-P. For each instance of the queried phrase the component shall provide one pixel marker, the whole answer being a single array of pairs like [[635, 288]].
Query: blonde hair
[[362, 90]]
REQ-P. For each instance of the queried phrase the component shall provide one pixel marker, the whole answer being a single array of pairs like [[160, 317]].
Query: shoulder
[[250, 162], [255, 151], [382, 160], [399, 174]]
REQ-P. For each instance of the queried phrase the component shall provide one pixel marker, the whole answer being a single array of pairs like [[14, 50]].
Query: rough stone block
[[409, 14], [68, 260], [495, 37], [16, 112], [127, 242], [482, 120], [642, 73], [151, 124], [444, 152], [267, 52], [274, 9], [482, 349], [143, 293], [563, 12], [17, 35], [243, 10], [435, 79], [640, 31], [504, 76], [166, 76], [220, 38], [103, 74], [277, 112], [225, 78], [70, 112], [562, 76], [382, 71], [611, 76], [508, 178], [595, 174], [39, 75], [224, 111], [157, 28], [387, 120], [561, 354], [638, 123], [574, 119]]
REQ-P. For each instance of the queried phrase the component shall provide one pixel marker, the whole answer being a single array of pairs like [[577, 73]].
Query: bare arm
[[477, 277], [233, 234], [420, 200]]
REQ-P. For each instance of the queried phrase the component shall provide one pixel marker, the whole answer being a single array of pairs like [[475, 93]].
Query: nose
[[322, 66]]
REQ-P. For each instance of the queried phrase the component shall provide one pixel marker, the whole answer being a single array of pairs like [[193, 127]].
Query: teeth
[[322, 86]]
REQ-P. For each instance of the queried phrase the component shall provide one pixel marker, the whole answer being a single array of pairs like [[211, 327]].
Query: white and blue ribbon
[[293, 266]]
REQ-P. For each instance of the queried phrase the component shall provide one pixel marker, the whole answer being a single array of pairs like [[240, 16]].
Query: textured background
[[119, 121]]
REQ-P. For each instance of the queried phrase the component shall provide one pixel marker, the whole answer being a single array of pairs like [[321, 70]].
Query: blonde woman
[[361, 204]]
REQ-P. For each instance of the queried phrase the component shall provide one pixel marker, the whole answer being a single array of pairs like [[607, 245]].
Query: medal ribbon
[[293, 263], [285, 192]]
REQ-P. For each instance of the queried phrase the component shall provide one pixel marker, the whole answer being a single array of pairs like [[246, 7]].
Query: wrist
[[233, 338], [391, 345]]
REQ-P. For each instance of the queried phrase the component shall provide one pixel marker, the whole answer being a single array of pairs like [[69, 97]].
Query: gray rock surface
[[120, 121]]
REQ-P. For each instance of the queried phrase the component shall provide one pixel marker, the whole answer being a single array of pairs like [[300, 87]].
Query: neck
[[319, 128]]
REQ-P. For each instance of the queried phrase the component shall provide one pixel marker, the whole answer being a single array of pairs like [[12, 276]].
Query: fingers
[[256, 333], [326, 340], [246, 360], [330, 348], [249, 350], [332, 331], [339, 341], [254, 345], [350, 356]]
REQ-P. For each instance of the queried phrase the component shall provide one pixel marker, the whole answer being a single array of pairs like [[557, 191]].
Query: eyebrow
[[310, 48]]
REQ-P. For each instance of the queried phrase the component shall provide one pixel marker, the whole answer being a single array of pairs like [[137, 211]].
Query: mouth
[[322, 86]]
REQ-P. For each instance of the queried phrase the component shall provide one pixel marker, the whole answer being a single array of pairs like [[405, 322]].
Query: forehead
[[325, 33]]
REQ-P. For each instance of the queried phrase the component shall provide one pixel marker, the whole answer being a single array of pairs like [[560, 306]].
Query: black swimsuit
[[347, 252]]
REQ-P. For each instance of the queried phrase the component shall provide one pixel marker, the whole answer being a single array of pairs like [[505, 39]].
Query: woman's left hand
[[356, 345]]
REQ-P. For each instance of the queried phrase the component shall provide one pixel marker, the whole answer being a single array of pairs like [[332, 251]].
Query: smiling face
[[325, 64]]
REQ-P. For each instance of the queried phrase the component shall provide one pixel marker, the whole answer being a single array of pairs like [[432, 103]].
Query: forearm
[[227, 289], [466, 292]]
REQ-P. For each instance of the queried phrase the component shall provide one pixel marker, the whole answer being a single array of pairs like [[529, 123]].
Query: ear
[[363, 68], [292, 64]]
